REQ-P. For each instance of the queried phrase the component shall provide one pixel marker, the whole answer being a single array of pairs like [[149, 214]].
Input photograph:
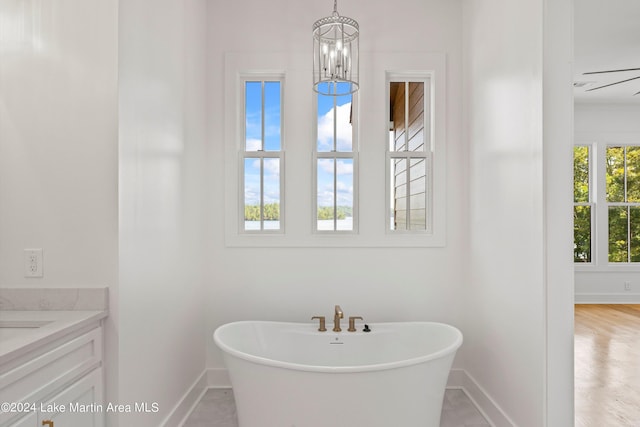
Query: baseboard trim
[[458, 379], [218, 378], [607, 298], [188, 402]]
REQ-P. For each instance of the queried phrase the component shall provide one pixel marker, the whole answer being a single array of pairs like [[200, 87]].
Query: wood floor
[[607, 365]]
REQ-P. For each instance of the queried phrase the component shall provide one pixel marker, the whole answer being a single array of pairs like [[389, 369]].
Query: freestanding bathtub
[[291, 375]]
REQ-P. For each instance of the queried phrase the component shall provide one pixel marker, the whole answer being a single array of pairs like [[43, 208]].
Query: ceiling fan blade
[[637, 93], [612, 71], [612, 84]]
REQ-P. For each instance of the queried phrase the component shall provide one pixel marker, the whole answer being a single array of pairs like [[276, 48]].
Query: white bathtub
[[291, 375]]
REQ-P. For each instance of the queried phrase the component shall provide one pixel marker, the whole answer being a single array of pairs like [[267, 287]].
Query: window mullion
[[628, 231], [406, 147], [601, 227], [335, 193], [262, 147]]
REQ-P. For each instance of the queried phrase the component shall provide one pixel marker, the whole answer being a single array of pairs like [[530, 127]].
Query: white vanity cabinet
[[82, 402], [29, 421], [61, 380]]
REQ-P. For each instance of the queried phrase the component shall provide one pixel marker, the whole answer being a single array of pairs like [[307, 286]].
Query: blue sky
[[329, 108], [254, 141], [332, 108]]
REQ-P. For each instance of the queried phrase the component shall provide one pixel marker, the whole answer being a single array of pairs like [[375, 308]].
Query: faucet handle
[[352, 323], [322, 327]]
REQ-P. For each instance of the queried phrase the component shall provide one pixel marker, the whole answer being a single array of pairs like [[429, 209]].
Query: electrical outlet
[[33, 262], [627, 286]]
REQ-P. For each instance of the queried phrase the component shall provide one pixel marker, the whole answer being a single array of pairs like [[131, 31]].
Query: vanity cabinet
[[30, 420], [62, 382], [82, 402]]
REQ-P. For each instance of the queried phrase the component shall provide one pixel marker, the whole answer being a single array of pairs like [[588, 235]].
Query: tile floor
[[217, 409]]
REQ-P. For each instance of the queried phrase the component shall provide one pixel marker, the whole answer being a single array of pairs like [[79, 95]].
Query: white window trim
[[426, 154], [298, 131], [600, 226], [336, 155], [261, 154], [592, 203]]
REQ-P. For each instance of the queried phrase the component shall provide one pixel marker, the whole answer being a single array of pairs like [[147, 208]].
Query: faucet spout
[[336, 319]]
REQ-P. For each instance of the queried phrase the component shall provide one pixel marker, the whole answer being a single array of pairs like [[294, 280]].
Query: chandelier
[[335, 54]]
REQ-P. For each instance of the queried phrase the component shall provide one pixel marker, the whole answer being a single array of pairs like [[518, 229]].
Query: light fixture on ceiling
[[335, 54], [615, 83]]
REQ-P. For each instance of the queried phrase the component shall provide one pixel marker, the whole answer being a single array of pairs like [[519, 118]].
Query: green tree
[[581, 213], [270, 212]]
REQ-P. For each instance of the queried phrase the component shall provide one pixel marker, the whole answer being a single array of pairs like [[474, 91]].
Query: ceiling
[[607, 37]]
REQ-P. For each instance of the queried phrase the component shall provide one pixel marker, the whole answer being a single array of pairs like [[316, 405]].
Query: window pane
[[253, 116], [398, 194], [335, 130], [272, 116], [415, 124], [618, 245], [615, 174], [582, 233], [418, 195], [397, 116], [581, 174], [261, 194], [634, 230], [344, 191], [325, 194], [271, 196], [326, 116], [344, 130], [633, 174], [252, 173]]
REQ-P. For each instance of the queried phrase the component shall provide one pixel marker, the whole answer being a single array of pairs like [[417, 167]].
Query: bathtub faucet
[[336, 319]]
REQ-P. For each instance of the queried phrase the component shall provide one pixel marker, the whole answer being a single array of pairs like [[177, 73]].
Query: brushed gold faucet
[[336, 319], [322, 326], [352, 323]]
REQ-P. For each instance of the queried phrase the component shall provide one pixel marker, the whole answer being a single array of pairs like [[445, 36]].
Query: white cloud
[[253, 144], [272, 167], [344, 168], [343, 130]]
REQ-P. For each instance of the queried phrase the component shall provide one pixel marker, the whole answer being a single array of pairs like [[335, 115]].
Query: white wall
[[558, 211], [505, 309], [297, 283], [58, 141], [609, 124], [162, 149], [59, 147]]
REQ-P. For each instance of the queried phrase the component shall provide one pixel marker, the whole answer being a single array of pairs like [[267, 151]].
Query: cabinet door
[[30, 420], [79, 405]]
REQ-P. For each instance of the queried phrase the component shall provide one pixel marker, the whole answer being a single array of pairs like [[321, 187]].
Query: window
[[335, 163], [623, 203], [409, 156], [262, 156], [299, 170], [606, 205], [582, 206]]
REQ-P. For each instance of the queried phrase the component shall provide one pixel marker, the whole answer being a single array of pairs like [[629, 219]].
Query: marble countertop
[[32, 317], [25, 330]]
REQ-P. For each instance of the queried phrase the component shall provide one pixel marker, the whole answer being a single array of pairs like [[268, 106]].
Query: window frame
[[335, 155], [298, 132], [624, 204], [261, 154], [427, 154], [600, 216], [592, 203]]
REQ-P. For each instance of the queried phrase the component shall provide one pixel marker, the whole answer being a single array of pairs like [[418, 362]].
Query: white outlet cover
[[33, 262]]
